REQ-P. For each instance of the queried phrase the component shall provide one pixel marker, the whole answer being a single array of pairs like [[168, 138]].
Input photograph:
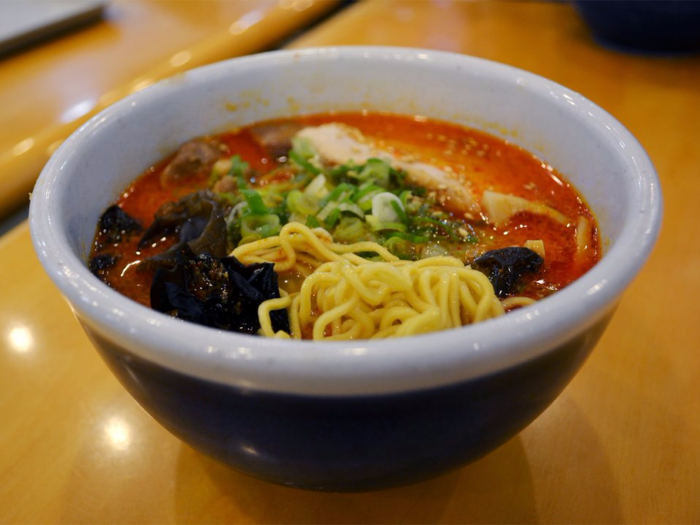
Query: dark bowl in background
[[656, 26]]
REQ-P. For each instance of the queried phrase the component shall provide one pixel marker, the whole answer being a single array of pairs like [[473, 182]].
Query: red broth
[[486, 162]]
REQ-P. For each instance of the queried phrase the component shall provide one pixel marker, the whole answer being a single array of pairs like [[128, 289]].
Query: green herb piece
[[301, 153], [312, 222], [303, 163], [345, 206], [416, 239], [332, 218], [339, 193], [438, 227], [349, 230], [302, 147], [398, 208], [256, 206], [238, 169], [402, 248], [383, 209], [261, 225], [378, 226], [301, 203], [376, 170], [317, 187]]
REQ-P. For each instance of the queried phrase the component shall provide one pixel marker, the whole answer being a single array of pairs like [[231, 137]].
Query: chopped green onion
[[303, 163], [417, 239], [255, 202], [401, 248], [351, 207], [317, 187], [302, 147], [405, 195], [312, 222], [398, 208], [332, 218], [350, 229], [238, 170], [262, 225], [326, 211], [301, 203], [237, 211], [364, 197], [340, 192], [341, 207], [249, 238], [376, 170], [365, 191], [441, 226], [377, 226], [383, 209], [343, 172]]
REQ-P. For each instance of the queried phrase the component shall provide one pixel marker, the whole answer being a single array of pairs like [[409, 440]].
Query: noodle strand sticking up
[[346, 296]]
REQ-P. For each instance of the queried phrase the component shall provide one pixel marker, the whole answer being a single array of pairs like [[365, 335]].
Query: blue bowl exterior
[[349, 443]]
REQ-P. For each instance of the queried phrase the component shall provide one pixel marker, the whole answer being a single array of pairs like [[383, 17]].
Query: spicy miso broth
[[233, 220]]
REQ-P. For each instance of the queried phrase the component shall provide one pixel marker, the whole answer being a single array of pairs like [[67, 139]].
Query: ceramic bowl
[[365, 414]]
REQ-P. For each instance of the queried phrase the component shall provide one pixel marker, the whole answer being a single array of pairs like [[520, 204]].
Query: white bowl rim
[[359, 367]]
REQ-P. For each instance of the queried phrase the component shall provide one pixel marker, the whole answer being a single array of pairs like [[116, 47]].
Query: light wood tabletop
[[49, 89], [620, 445]]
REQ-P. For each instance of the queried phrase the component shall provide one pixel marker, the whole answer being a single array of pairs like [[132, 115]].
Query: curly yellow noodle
[[427, 321], [514, 302], [330, 317], [345, 296], [264, 312], [393, 314], [455, 315], [296, 237]]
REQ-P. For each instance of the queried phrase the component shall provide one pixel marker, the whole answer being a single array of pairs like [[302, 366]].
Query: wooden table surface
[[620, 445], [48, 90]]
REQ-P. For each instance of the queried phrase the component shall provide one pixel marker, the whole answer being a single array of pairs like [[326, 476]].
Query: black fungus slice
[[199, 221], [262, 278], [217, 292], [115, 225], [505, 266], [100, 263]]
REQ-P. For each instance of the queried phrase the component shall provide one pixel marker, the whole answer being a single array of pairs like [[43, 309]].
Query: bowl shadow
[[516, 483], [244, 499]]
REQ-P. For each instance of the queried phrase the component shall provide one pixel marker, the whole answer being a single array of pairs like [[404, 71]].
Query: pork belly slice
[[338, 143]]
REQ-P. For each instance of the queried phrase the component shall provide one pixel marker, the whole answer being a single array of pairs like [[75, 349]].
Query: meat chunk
[[194, 159], [338, 144], [275, 139]]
